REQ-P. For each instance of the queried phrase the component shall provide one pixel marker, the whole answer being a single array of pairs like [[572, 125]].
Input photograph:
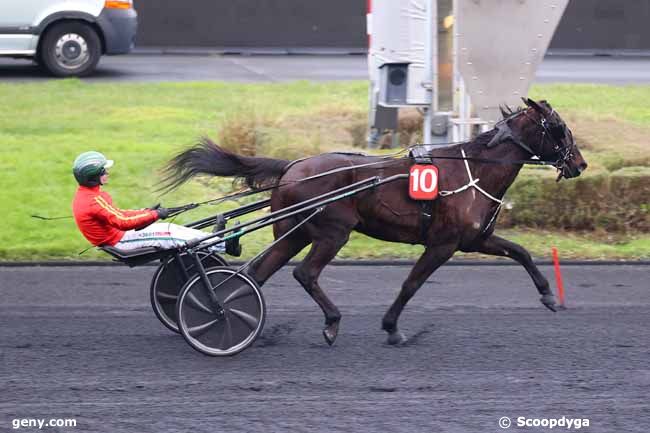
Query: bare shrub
[[243, 133], [329, 128], [358, 132], [410, 121]]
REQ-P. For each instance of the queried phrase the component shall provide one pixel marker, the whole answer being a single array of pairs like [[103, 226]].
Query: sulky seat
[[138, 256]]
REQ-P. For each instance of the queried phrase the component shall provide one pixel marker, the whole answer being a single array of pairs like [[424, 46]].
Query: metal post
[[455, 136], [462, 129], [428, 64], [434, 56], [461, 109], [467, 115]]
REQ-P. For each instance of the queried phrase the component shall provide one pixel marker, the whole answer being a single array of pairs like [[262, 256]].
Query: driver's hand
[[162, 212]]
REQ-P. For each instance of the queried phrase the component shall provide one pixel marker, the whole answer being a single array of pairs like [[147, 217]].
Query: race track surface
[[83, 343]]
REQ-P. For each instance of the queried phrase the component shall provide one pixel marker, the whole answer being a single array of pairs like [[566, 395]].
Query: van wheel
[[70, 50]]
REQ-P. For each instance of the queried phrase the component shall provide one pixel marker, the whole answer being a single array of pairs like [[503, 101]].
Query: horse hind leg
[[429, 261], [278, 256], [307, 272]]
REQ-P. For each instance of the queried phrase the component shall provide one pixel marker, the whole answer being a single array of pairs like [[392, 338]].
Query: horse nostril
[[582, 166]]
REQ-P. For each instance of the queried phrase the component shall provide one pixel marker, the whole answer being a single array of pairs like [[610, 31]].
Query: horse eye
[[557, 131]]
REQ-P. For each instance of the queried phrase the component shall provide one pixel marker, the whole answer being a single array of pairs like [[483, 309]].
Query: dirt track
[[82, 343]]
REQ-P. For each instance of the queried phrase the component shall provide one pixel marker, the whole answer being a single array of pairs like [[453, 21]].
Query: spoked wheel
[[217, 332], [168, 281]]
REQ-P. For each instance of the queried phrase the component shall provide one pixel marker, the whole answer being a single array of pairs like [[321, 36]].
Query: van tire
[[70, 49]]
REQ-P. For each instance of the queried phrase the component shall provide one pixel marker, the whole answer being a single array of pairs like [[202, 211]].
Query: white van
[[66, 37]]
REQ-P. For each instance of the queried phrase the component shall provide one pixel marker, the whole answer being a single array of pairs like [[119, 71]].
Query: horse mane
[[485, 138]]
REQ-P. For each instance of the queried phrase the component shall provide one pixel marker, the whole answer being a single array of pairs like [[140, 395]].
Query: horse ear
[[501, 135], [534, 105], [504, 113]]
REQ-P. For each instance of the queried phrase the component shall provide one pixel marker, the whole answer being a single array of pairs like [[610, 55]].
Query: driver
[[102, 224]]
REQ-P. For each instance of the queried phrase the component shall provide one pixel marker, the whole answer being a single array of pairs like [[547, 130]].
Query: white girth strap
[[472, 183]]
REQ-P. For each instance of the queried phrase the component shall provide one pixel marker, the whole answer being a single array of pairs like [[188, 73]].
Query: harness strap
[[473, 183], [426, 218], [494, 218]]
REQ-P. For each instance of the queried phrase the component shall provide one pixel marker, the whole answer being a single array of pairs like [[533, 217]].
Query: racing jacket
[[100, 222]]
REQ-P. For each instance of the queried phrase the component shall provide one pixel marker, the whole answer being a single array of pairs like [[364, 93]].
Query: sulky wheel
[[217, 332], [168, 281]]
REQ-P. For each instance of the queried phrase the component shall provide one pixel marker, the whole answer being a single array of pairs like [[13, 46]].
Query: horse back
[[384, 212], [293, 185]]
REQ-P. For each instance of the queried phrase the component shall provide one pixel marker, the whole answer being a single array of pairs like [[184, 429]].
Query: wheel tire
[[70, 49], [221, 335], [168, 281]]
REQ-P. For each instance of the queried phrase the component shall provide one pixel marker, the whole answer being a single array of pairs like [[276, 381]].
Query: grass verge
[[44, 126]]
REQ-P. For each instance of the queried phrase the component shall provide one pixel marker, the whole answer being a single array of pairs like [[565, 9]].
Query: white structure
[[456, 59]]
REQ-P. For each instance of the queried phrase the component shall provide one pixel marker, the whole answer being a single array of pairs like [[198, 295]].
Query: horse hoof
[[549, 302], [396, 338], [330, 332]]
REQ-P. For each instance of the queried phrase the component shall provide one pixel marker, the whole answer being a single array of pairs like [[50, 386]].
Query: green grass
[[538, 242], [625, 103], [44, 126]]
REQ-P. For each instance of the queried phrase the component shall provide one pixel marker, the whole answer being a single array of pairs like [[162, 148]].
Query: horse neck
[[496, 178]]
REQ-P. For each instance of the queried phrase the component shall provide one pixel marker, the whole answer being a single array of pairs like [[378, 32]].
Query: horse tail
[[208, 158]]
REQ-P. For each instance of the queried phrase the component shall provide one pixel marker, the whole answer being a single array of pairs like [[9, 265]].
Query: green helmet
[[89, 166]]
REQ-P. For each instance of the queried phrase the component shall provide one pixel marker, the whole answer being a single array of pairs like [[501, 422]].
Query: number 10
[[425, 182]]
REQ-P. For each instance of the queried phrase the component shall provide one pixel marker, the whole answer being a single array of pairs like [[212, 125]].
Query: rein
[[388, 159], [497, 161], [502, 135]]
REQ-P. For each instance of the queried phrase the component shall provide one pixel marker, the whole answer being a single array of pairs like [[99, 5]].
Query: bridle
[[562, 153]]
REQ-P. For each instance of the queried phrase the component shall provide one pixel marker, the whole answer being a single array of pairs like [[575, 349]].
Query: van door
[[23, 13], [17, 17]]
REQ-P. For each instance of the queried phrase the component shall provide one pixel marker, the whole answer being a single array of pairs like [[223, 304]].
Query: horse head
[[548, 137]]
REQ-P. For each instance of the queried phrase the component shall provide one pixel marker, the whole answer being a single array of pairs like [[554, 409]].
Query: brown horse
[[460, 221]]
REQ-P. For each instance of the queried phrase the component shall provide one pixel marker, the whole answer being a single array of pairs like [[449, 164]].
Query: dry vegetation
[[292, 137], [613, 193], [614, 143], [608, 143]]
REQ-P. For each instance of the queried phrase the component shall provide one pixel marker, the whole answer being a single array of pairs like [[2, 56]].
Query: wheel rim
[[168, 282], [71, 51], [228, 333]]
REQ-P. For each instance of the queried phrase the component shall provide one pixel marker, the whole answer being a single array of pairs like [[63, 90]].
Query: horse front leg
[[432, 258], [496, 246]]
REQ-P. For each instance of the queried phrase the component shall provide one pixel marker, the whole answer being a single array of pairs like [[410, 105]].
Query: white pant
[[162, 235]]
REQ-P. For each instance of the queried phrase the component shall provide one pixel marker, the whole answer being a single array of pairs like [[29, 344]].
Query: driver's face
[[103, 179]]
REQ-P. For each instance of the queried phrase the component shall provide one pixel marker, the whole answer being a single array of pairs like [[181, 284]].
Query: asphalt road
[[82, 343], [271, 68]]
